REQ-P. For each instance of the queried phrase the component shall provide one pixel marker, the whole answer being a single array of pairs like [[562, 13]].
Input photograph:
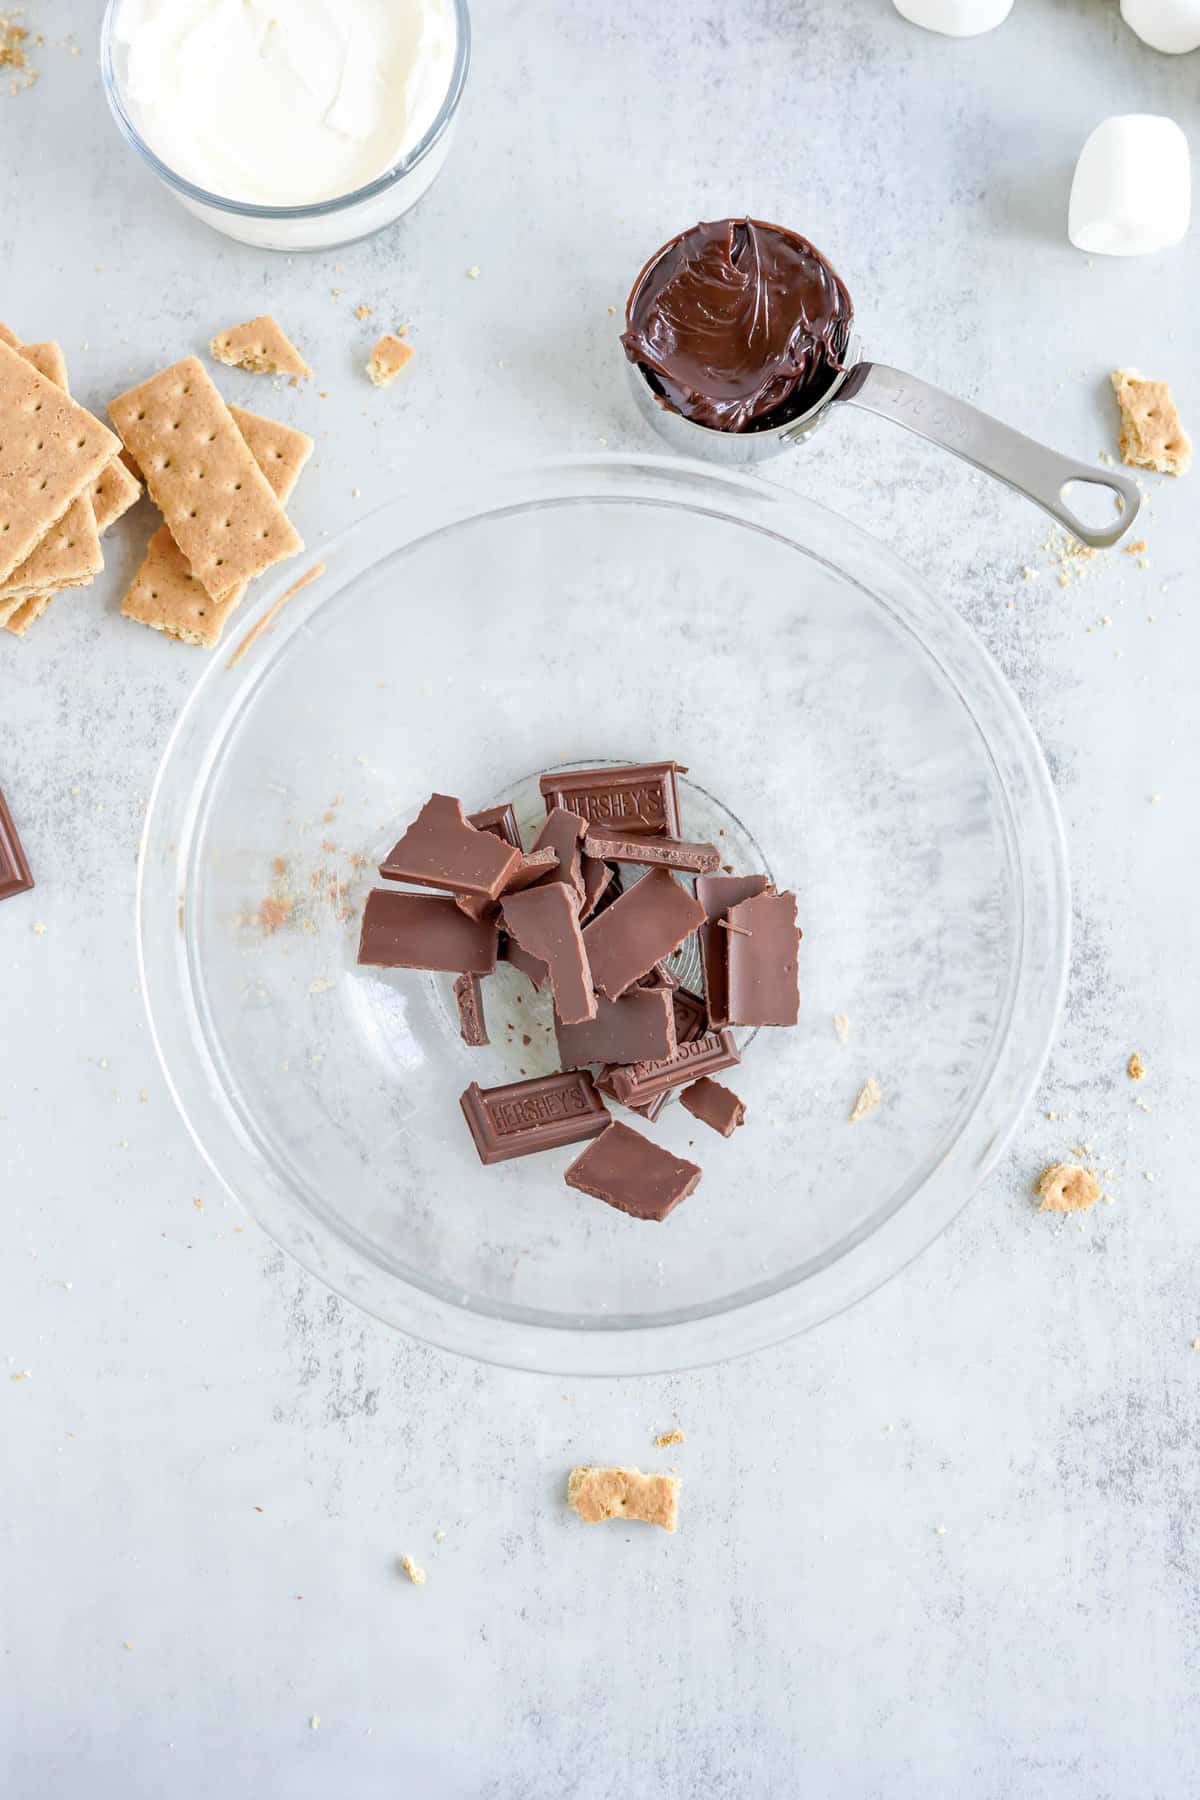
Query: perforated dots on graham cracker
[[260, 346], [199, 469], [69, 553], [1152, 434], [51, 450]]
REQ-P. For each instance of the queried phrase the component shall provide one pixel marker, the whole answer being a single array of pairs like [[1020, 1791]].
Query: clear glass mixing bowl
[[837, 720]]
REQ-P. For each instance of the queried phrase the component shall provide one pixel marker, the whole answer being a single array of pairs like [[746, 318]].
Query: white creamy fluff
[[1132, 191], [1170, 25], [284, 102], [955, 18]]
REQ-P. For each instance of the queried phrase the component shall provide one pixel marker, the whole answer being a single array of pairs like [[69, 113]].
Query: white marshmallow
[[1169, 25], [955, 18], [1132, 191]]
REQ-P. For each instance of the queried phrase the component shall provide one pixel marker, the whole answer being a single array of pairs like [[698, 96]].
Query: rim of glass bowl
[[776, 1309], [319, 208]]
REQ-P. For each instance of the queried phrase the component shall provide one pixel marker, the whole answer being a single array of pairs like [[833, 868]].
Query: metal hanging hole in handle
[[1023, 464]]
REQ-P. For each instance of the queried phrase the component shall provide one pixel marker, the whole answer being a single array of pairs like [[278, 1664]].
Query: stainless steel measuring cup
[[1040, 474]]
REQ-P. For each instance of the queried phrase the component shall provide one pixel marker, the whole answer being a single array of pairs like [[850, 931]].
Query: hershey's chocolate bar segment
[[424, 931], [648, 923], [714, 1105], [563, 833], [691, 1017], [653, 852], [472, 1026], [636, 797], [545, 920], [542, 1113], [632, 1173], [15, 875], [704, 1055], [763, 961], [441, 850], [501, 821], [716, 894], [639, 1026]]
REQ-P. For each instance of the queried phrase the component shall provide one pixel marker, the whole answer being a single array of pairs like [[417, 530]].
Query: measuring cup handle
[[1029, 467]]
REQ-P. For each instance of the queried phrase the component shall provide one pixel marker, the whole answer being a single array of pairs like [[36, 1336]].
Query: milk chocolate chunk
[[716, 894], [501, 821], [704, 1055], [649, 1111], [424, 931], [545, 921], [598, 877], [634, 798], [648, 923], [532, 966], [563, 833], [472, 1026], [714, 1105], [654, 852], [527, 1116], [529, 869], [691, 1017], [738, 325], [15, 876], [640, 1025], [441, 850], [763, 953], [632, 1173]]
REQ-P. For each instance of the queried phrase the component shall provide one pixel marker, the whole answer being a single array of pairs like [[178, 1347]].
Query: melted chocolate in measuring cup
[[738, 325]]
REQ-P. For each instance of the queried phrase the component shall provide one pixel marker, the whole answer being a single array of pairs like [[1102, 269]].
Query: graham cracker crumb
[[413, 1570], [389, 356], [1137, 549], [1135, 1068], [1066, 1187], [260, 346], [275, 911], [841, 1027], [599, 1494], [869, 1097], [674, 1436], [1151, 433], [362, 312]]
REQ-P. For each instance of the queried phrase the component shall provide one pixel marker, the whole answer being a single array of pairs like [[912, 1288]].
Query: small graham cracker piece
[[51, 450], [260, 346], [164, 593], [9, 337], [201, 473], [1152, 434], [599, 1494], [1065, 1187], [390, 355]]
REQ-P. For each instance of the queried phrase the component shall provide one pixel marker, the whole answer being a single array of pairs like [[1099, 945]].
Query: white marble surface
[[1030, 1388]]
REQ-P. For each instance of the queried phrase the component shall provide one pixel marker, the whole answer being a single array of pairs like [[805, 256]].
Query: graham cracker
[[69, 554], [164, 593], [261, 346], [388, 357], [199, 470], [9, 337], [113, 493], [1152, 434], [598, 1494], [51, 450], [29, 612]]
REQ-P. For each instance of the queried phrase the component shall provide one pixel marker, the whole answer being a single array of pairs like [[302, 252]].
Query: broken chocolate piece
[[763, 945], [704, 1055], [472, 1026], [424, 931], [636, 797], [528, 870], [440, 850], [660, 976], [714, 1105], [654, 852], [632, 1173], [598, 877], [545, 920], [527, 1116], [649, 1111], [716, 894], [691, 1017], [562, 833], [638, 1027], [15, 875], [501, 821], [648, 922], [533, 966]]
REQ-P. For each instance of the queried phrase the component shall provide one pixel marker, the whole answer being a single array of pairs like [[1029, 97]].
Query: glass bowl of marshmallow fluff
[[297, 128]]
